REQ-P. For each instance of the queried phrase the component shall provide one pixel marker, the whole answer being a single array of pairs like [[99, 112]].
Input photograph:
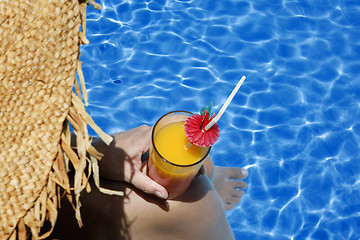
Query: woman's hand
[[122, 160]]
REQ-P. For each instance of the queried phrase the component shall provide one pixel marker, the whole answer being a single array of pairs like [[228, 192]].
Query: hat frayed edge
[[45, 208]]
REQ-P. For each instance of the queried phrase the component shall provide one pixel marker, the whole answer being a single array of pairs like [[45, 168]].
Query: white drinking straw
[[226, 104]]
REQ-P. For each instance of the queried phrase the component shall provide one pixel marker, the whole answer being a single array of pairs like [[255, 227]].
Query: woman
[[144, 211]]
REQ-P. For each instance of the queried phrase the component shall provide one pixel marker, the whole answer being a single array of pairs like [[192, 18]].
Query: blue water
[[294, 123]]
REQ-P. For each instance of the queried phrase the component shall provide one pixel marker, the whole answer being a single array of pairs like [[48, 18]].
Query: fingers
[[146, 137], [146, 184]]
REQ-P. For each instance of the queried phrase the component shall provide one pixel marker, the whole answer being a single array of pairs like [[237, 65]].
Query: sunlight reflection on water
[[294, 123]]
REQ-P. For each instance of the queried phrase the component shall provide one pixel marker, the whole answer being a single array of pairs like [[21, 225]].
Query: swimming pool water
[[294, 123]]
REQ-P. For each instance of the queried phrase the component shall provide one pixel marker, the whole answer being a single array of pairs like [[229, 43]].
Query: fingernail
[[160, 195], [244, 172]]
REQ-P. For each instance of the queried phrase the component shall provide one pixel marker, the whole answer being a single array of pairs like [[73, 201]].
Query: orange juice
[[171, 164], [171, 140]]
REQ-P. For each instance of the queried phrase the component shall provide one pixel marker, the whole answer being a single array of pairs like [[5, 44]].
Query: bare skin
[[227, 182], [141, 213]]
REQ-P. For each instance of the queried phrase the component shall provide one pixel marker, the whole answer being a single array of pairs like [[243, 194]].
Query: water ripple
[[294, 123]]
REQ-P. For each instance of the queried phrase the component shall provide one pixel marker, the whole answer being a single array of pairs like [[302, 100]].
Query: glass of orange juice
[[171, 163]]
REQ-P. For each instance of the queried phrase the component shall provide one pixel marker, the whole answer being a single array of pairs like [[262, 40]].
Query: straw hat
[[39, 50]]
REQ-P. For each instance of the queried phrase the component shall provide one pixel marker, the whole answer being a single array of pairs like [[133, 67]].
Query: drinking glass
[[171, 163]]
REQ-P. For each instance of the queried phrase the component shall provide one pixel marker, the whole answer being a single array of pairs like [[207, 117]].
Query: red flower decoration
[[195, 130]]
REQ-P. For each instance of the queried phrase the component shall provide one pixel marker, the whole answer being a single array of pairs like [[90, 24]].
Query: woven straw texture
[[39, 50]]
